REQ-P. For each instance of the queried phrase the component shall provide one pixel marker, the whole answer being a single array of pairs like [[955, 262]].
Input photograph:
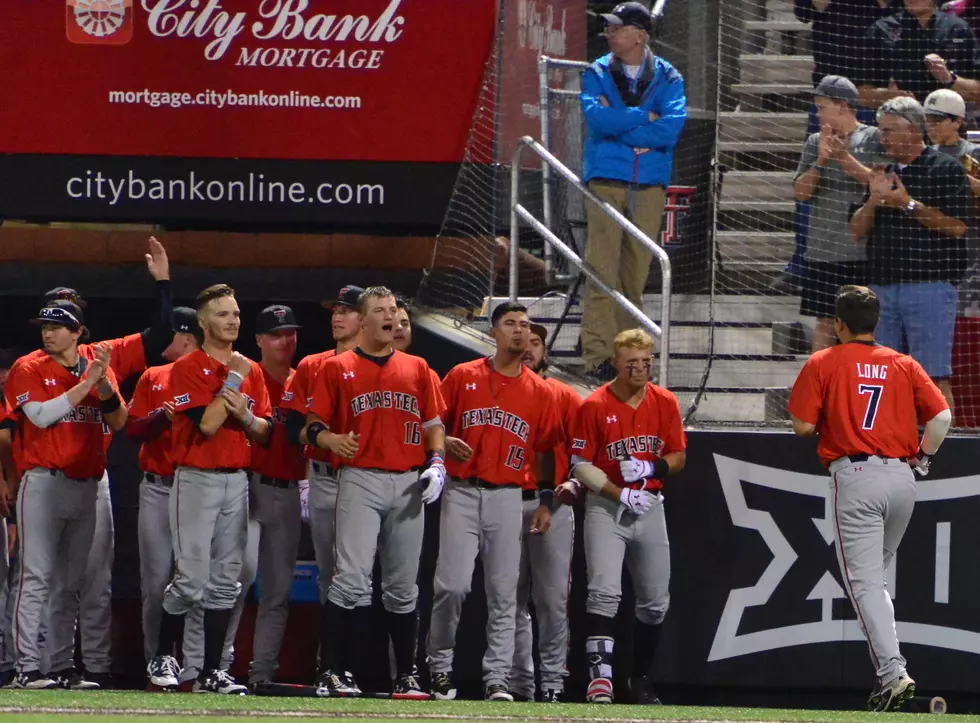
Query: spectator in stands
[[832, 176], [915, 220], [634, 108], [945, 121], [916, 51]]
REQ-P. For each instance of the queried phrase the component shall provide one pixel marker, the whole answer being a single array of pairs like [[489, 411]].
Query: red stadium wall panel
[[353, 112]]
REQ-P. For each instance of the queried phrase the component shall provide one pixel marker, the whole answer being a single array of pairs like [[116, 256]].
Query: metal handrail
[[519, 212]]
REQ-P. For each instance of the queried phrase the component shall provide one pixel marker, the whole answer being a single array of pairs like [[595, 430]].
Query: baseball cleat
[[218, 681], [63, 678], [551, 695], [643, 693], [498, 692], [93, 681], [892, 696], [442, 687], [164, 672], [407, 687], [33, 680], [600, 690], [336, 685]]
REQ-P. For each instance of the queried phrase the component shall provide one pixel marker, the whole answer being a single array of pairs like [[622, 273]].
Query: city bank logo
[[791, 599], [99, 22]]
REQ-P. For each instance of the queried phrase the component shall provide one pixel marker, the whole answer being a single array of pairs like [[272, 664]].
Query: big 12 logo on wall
[[798, 599], [99, 22]]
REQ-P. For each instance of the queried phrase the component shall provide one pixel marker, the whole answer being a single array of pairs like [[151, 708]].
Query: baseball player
[[94, 610], [380, 413], [220, 406], [151, 412], [545, 569], [499, 415], [69, 404], [865, 402], [627, 438], [322, 500]]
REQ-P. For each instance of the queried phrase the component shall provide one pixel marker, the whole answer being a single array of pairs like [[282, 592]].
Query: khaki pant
[[621, 261]]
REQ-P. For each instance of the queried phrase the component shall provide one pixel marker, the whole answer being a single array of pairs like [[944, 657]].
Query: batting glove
[[920, 462], [433, 480], [567, 493], [638, 502], [633, 469]]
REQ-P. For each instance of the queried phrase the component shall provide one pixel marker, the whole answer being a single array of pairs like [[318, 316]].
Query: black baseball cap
[[65, 293], [541, 331], [631, 13], [347, 296], [185, 320], [62, 312], [275, 318]]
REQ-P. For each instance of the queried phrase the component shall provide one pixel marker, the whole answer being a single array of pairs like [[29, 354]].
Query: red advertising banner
[[533, 28], [392, 80]]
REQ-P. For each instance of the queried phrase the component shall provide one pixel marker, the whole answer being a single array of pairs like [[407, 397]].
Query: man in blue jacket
[[634, 108]]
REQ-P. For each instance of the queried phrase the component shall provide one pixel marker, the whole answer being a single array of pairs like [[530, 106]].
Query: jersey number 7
[[874, 398]]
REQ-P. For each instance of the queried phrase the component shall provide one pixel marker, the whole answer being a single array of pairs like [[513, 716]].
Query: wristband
[[234, 381], [660, 469], [313, 431], [110, 405], [253, 422], [547, 498], [923, 455], [436, 458]]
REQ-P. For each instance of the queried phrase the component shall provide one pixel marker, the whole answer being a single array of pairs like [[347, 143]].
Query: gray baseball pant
[[545, 576], [485, 522], [378, 513], [7, 657], [56, 517], [156, 555], [93, 612], [322, 504], [209, 521], [192, 647], [612, 534], [873, 502]]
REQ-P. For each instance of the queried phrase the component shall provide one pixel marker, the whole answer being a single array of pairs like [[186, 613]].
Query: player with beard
[[627, 438], [545, 559], [220, 405], [500, 416]]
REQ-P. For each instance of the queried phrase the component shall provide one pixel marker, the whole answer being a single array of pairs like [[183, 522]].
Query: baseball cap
[[347, 296], [837, 87], [540, 331], [185, 320], [631, 13], [62, 312], [275, 317], [945, 102], [65, 293]]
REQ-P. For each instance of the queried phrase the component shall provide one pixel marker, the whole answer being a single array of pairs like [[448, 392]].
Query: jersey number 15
[[874, 399]]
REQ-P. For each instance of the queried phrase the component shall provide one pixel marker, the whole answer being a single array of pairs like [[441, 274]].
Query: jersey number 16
[[874, 399]]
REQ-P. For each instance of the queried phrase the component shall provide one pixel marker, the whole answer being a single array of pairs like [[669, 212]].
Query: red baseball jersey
[[607, 430], [865, 399], [195, 379], [152, 390], [280, 459], [386, 402], [505, 420], [299, 390], [568, 401], [77, 443]]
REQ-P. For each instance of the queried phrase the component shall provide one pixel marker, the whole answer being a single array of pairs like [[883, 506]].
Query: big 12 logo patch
[[99, 22], [798, 598]]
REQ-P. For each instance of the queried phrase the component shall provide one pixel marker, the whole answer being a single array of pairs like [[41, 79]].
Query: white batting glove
[[637, 502], [567, 493], [920, 462], [304, 499], [432, 481], [633, 469]]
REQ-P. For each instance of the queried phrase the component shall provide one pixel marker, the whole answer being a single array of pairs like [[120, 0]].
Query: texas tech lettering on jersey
[[645, 443], [370, 401], [493, 417]]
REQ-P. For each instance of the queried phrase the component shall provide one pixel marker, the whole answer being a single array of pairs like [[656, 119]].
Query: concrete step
[[758, 339], [772, 68], [757, 186], [757, 89], [760, 147], [778, 25], [761, 126], [756, 246]]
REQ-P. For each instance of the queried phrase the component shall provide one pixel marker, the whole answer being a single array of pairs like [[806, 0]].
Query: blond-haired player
[[626, 439]]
